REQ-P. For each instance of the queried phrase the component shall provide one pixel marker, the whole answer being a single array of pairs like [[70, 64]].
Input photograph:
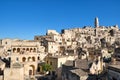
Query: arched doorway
[[31, 70]]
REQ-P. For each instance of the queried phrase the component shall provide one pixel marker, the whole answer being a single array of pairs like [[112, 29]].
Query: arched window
[[29, 58], [31, 49], [27, 49], [23, 59], [34, 50], [33, 58], [18, 49], [23, 49], [14, 49]]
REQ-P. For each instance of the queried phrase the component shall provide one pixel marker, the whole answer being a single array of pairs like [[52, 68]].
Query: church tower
[[96, 22]]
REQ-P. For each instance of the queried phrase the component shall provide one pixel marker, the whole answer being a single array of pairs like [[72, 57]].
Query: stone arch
[[27, 49], [29, 58], [31, 49], [34, 50], [23, 49], [23, 59], [31, 70], [33, 58], [14, 49], [18, 49]]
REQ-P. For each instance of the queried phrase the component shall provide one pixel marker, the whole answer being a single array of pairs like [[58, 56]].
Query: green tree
[[46, 67]]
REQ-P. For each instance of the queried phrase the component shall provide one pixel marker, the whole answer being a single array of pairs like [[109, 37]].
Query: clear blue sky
[[26, 18]]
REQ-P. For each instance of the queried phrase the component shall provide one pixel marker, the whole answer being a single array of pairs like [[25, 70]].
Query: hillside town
[[87, 53]]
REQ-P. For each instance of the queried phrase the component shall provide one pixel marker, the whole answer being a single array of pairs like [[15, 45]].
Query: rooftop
[[79, 72], [115, 67]]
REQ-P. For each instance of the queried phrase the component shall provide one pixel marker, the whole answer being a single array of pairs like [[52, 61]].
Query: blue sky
[[24, 19]]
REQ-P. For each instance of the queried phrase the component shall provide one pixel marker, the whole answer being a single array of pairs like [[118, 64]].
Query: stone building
[[61, 46], [15, 72], [114, 71], [75, 70], [56, 63], [86, 37], [26, 53], [2, 67]]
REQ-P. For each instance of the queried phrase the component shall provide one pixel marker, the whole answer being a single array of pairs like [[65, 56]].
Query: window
[[37, 38], [27, 49], [14, 49], [50, 63], [33, 58], [38, 58], [51, 46], [56, 39], [18, 49], [60, 43], [23, 59], [17, 59], [31, 49], [29, 58], [34, 50]]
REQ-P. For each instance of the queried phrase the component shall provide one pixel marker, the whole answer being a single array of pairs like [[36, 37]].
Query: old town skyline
[[36, 17]]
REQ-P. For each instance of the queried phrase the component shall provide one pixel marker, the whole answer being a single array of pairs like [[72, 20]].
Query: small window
[[60, 43], [51, 46], [5, 42], [38, 58], [50, 63], [17, 59], [47, 62], [61, 64], [37, 38]]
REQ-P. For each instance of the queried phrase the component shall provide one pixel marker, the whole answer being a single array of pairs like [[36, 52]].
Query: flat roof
[[79, 72], [114, 67]]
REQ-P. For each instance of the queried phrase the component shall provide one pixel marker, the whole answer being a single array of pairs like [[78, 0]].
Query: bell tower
[[96, 22]]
